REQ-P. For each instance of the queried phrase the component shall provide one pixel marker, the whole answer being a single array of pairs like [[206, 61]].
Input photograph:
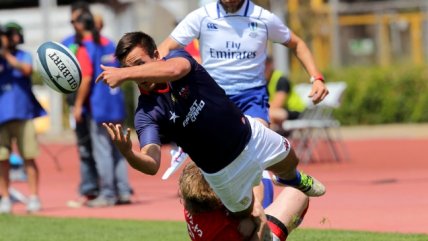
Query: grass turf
[[35, 228]]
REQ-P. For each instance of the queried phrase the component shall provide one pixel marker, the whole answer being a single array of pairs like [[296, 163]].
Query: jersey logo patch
[[173, 98], [194, 111], [286, 144], [212, 26], [184, 92], [173, 116], [245, 201], [253, 28]]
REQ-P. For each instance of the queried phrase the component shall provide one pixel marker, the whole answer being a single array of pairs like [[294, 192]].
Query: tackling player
[[208, 220]]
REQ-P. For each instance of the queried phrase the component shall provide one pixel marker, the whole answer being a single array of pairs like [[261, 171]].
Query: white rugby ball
[[59, 67]]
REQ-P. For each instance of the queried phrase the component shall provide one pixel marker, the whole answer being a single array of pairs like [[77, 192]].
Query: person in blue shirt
[[180, 100], [19, 107], [101, 104], [89, 181]]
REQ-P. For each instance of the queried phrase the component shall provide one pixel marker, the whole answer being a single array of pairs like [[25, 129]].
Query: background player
[[233, 36]]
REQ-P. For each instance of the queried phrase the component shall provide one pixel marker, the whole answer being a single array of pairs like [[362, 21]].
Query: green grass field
[[32, 228]]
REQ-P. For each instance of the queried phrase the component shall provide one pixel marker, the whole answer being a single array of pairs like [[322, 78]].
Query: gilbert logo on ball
[[59, 67]]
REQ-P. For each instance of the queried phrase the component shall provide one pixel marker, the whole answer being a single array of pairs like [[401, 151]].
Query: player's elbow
[[153, 168], [147, 169], [175, 72], [152, 171], [178, 71], [177, 68]]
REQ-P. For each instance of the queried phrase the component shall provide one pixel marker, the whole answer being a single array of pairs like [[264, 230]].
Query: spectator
[[284, 103], [89, 180], [99, 22], [17, 168], [208, 220], [18, 108], [101, 103]]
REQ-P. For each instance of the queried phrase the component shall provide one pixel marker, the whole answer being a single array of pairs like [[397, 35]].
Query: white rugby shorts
[[234, 183]]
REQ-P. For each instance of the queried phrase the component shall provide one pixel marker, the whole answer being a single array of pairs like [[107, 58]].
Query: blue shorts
[[267, 192], [253, 102]]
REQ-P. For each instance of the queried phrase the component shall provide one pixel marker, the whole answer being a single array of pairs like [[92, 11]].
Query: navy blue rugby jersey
[[195, 113]]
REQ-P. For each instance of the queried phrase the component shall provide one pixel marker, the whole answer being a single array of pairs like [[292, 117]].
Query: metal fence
[[341, 33]]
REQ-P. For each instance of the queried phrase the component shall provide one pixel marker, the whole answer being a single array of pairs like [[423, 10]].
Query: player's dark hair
[[130, 40]]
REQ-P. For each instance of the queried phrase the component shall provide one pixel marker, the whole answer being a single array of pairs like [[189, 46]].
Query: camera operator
[[18, 108], [12, 37]]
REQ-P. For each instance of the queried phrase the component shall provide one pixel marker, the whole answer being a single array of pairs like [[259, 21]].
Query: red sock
[[277, 227]]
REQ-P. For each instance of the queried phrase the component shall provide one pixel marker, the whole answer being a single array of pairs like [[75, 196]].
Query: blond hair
[[195, 192]]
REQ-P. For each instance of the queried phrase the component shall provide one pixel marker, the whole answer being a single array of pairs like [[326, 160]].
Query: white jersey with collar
[[232, 46]]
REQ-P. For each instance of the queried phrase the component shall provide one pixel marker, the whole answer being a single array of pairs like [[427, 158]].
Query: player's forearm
[[305, 57], [147, 162], [160, 71], [303, 54], [155, 73]]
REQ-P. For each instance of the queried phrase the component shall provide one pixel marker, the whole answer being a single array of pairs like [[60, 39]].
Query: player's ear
[[156, 54]]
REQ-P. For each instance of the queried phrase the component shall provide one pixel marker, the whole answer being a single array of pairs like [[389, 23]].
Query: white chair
[[316, 122]]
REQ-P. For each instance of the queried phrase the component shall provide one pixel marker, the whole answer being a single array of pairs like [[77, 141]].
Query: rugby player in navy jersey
[[181, 101]]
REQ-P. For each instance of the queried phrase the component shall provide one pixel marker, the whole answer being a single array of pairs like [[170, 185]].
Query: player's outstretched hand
[[319, 91], [259, 217], [122, 141], [112, 76]]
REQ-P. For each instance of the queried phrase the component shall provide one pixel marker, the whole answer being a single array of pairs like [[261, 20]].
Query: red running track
[[382, 188]]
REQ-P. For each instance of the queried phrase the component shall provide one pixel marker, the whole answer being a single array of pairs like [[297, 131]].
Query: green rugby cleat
[[308, 185]]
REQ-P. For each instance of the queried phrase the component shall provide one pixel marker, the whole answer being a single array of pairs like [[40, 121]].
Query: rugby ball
[[58, 67]]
